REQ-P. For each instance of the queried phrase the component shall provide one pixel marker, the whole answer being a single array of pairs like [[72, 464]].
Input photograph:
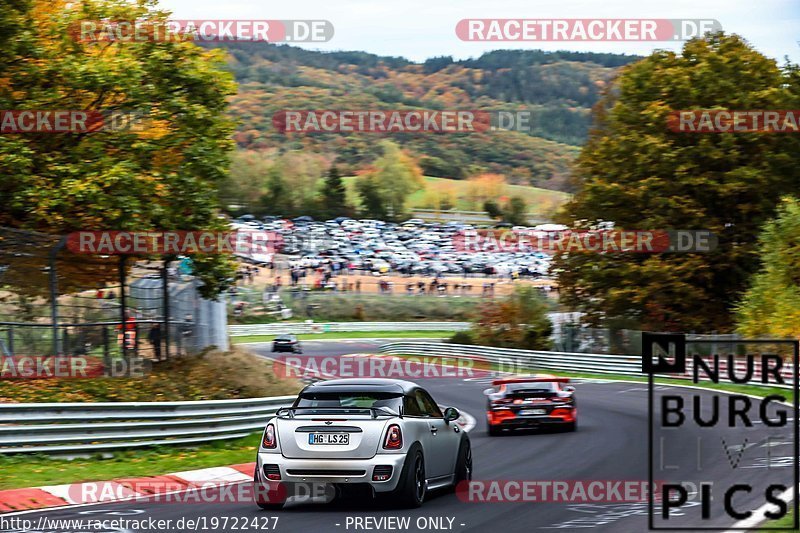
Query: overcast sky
[[419, 29]]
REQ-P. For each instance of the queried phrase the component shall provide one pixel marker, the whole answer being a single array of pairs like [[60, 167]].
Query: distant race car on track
[[530, 402], [287, 343], [385, 436]]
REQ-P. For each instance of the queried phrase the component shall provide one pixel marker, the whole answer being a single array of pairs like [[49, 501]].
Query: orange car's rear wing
[[552, 379]]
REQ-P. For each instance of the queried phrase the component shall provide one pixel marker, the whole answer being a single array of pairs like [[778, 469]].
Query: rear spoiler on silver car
[[375, 412]]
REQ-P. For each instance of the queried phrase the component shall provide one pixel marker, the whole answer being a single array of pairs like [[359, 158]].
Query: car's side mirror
[[569, 388], [450, 414], [488, 391]]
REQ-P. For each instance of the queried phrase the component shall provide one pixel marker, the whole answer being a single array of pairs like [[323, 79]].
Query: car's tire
[[266, 506], [572, 426], [463, 462], [494, 431], [411, 489]]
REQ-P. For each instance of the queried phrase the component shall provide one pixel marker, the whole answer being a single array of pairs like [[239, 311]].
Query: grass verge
[[21, 471], [349, 335], [785, 522], [208, 376]]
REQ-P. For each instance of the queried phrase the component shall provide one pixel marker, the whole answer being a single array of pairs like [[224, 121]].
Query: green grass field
[[540, 201]]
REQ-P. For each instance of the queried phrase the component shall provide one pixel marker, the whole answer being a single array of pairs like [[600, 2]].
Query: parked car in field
[[387, 436]]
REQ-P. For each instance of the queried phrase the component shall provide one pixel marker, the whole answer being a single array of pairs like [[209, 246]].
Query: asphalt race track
[[611, 444]]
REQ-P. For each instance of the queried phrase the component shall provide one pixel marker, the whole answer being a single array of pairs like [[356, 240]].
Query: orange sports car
[[530, 402]]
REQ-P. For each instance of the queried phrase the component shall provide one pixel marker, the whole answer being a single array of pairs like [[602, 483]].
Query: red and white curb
[[15, 500]]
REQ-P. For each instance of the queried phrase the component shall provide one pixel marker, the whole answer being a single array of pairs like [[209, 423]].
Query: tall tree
[[394, 178], [161, 175], [638, 174], [334, 194], [372, 204], [292, 184], [771, 307], [516, 212]]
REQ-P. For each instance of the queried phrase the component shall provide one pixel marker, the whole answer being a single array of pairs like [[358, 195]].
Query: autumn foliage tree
[[771, 306], [161, 175], [517, 321], [386, 188], [640, 175]]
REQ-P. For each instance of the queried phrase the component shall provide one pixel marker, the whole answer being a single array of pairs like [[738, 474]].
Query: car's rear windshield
[[284, 338], [391, 400], [539, 386]]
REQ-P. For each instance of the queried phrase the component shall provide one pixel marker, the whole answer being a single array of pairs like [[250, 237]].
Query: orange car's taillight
[[394, 438], [269, 437]]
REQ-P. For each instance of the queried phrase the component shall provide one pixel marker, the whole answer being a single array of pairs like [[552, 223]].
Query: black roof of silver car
[[363, 385]]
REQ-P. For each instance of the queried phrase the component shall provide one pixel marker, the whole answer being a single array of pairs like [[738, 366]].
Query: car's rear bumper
[[334, 471], [284, 348], [508, 419]]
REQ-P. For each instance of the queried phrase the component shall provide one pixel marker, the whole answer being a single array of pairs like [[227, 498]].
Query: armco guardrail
[[530, 360], [523, 359], [95, 427], [324, 327]]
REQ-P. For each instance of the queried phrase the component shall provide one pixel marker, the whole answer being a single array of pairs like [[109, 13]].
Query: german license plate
[[329, 438], [526, 412]]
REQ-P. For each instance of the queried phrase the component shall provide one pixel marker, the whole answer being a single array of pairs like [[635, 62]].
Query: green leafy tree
[[334, 195], [639, 175], [292, 184], [492, 209], [247, 180], [161, 175], [394, 178], [516, 212], [372, 204], [771, 307]]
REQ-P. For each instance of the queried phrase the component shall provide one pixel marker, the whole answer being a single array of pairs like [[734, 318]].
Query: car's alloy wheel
[[468, 463], [463, 463], [419, 479], [411, 488]]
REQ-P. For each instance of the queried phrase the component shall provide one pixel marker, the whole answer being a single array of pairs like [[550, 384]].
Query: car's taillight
[[269, 437], [501, 403], [394, 438]]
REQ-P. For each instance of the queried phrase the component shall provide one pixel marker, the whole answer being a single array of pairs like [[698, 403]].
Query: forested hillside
[[559, 88]]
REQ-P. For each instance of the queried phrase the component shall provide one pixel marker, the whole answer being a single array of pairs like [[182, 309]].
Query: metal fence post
[[165, 288], [122, 302], [54, 293], [106, 352]]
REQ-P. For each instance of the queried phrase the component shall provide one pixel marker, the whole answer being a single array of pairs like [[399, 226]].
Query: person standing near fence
[[154, 336]]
